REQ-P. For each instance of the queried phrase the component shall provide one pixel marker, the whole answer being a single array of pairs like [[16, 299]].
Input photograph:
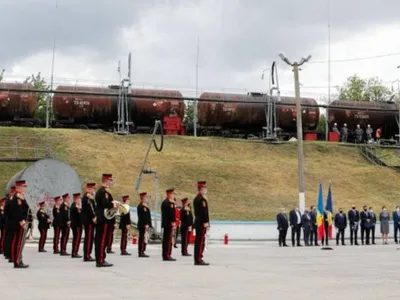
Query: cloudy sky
[[238, 39]]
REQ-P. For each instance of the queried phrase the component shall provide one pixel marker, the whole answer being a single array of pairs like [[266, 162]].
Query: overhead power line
[[355, 58]]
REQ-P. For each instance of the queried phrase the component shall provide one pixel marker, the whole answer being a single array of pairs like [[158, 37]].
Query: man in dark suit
[[340, 225], [314, 226], [306, 224], [396, 223], [283, 226], [295, 224], [373, 221], [354, 219], [366, 225]]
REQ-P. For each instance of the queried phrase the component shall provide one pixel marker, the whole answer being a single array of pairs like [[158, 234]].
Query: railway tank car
[[85, 111], [17, 107], [245, 114], [377, 114]]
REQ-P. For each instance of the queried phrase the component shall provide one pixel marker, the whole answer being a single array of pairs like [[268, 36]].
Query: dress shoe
[[64, 254], [186, 254], [76, 256], [125, 253], [285, 245], [175, 246], [110, 252], [56, 252], [89, 259], [10, 260], [21, 266], [104, 265], [169, 259], [202, 263], [42, 250], [144, 255]]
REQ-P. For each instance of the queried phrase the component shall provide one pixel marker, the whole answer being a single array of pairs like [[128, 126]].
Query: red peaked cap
[[107, 176], [90, 185], [124, 198], [170, 191], [76, 195], [142, 194], [201, 184], [20, 183], [57, 198], [12, 190]]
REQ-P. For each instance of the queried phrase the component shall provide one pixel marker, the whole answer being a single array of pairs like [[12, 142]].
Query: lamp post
[[269, 78], [300, 154]]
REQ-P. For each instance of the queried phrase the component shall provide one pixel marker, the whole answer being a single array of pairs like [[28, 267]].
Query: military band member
[[56, 224], [30, 225], [354, 219], [103, 201], [2, 225], [144, 223], [110, 239], [186, 218], [43, 225], [89, 221], [178, 223], [168, 223], [65, 224], [20, 210], [10, 228], [340, 224], [76, 225], [125, 225], [201, 223]]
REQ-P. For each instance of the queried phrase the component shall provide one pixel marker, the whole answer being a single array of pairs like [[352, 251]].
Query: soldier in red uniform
[[9, 225], [76, 225], [89, 221], [65, 224], [178, 223], [43, 225], [144, 224], [56, 224], [186, 226], [125, 225], [201, 223], [168, 223]]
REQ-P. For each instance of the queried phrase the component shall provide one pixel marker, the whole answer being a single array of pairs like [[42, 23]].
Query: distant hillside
[[247, 180]]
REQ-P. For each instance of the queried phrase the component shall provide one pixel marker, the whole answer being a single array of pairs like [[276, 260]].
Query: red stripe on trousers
[[170, 244], [103, 243], [19, 245], [200, 256], [2, 240], [143, 243], [89, 241]]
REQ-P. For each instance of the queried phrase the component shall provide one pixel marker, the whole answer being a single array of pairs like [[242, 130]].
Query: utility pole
[[197, 89], [300, 153]]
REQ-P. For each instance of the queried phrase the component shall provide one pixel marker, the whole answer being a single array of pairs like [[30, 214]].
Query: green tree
[[321, 124], [360, 89], [39, 83], [189, 116], [2, 75]]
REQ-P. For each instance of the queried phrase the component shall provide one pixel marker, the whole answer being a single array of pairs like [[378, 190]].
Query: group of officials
[[87, 214], [364, 221]]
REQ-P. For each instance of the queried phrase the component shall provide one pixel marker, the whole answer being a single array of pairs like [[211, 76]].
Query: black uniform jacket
[[282, 221], [88, 212], [56, 216], [186, 217], [144, 216], [76, 221], [42, 217], [103, 201], [125, 220], [200, 206], [167, 213], [64, 215]]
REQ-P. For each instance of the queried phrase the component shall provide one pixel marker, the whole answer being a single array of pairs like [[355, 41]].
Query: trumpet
[[120, 209], [173, 235]]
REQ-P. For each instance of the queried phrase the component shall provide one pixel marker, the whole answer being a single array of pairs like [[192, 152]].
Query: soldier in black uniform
[[89, 221], [144, 223], [2, 225], [56, 224], [10, 228], [201, 222], [65, 224], [20, 210], [186, 226], [103, 201], [168, 223], [354, 218], [76, 225], [125, 225], [43, 225], [110, 235], [340, 224]]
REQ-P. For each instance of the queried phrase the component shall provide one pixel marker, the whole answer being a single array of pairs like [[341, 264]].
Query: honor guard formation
[[93, 215], [363, 222]]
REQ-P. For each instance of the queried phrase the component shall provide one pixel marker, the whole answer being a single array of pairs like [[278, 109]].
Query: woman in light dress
[[384, 218]]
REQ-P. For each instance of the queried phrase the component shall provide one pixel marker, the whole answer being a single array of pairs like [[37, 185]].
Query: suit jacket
[[396, 218], [340, 221], [293, 218], [354, 216], [313, 216], [306, 221], [282, 221]]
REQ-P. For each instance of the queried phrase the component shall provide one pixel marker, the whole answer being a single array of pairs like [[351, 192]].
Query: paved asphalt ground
[[238, 271]]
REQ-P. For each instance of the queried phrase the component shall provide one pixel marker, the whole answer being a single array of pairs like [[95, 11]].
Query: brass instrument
[[120, 209], [173, 235], [24, 236], [206, 238], [147, 236]]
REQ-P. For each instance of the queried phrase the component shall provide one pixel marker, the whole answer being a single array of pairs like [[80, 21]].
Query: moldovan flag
[[320, 214], [329, 209]]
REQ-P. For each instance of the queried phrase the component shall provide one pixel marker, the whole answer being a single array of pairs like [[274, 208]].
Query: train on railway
[[219, 114]]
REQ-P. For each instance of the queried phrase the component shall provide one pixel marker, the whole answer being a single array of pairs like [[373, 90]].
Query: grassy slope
[[247, 181]]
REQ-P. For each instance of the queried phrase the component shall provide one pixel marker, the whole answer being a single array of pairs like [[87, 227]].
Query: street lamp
[[300, 154], [269, 78]]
